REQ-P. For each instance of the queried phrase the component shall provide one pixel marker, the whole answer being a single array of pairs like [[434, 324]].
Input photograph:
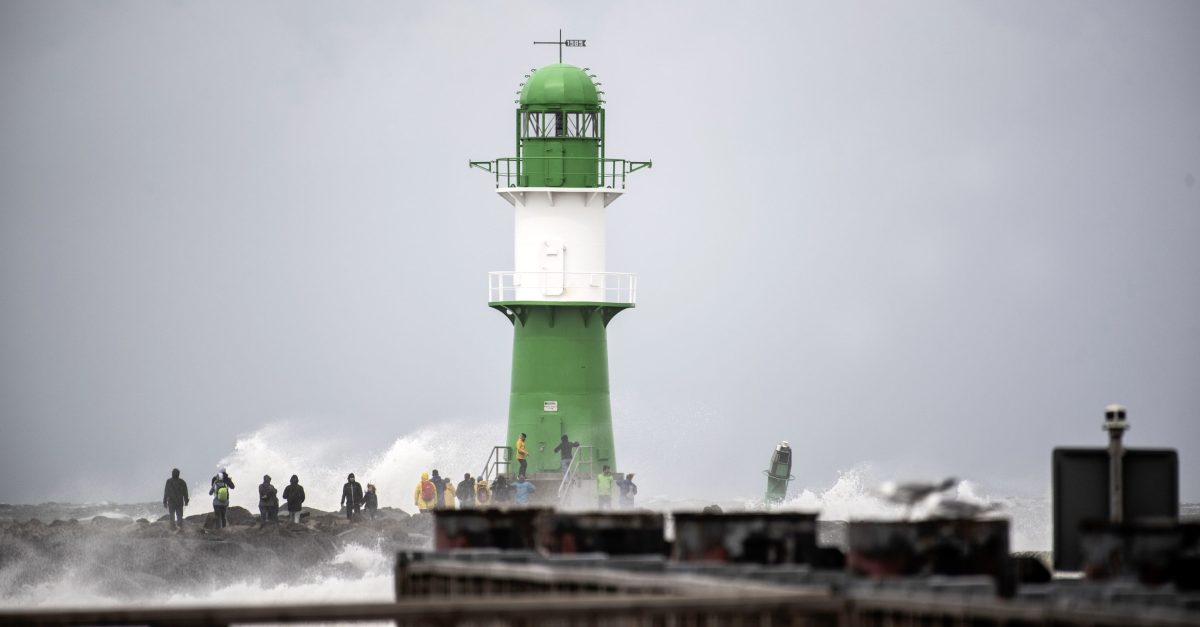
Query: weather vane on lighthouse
[[570, 43]]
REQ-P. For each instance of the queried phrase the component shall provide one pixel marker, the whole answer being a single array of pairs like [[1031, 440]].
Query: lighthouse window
[[553, 124]]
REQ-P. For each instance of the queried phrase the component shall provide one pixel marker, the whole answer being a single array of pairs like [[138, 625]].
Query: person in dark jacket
[[501, 491], [175, 496], [439, 482], [466, 492], [565, 449], [628, 490], [352, 497], [268, 502], [371, 501], [222, 483], [294, 495]]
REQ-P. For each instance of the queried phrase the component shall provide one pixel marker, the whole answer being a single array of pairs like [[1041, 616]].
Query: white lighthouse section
[[560, 249]]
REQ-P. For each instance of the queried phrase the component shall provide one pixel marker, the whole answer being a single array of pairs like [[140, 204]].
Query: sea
[[367, 572]]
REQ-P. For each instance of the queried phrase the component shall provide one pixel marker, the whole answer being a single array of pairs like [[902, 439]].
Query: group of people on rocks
[[432, 492], [175, 498]]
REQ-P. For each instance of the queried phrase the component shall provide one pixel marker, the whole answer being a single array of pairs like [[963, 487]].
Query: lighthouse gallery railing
[[610, 173], [603, 287]]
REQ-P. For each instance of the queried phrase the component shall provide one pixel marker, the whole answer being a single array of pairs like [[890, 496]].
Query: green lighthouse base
[[560, 380]]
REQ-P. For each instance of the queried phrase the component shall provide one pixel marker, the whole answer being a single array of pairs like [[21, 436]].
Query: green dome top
[[558, 85]]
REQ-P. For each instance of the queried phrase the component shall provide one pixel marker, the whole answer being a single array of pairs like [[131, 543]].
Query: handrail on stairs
[[585, 456], [500, 455]]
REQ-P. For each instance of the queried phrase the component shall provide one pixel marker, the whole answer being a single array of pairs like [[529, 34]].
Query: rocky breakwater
[[124, 560]]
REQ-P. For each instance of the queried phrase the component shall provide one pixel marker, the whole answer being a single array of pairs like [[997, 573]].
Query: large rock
[[134, 560]]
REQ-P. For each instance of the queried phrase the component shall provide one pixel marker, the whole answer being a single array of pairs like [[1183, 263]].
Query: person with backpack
[[352, 496], [294, 495], [466, 492], [371, 501], [268, 502], [175, 497], [222, 483], [425, 496], [604, 489]]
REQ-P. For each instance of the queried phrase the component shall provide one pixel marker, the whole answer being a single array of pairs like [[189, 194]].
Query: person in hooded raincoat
[[175, 496], [268, 502], [352, 497], [425, 496], [294, 495], [447, 494], [483, 494]]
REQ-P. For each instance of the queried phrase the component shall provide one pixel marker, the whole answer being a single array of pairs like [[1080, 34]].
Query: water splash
[[322, 462]]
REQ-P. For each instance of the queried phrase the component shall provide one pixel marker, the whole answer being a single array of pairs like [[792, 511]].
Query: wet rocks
[[141, 559]]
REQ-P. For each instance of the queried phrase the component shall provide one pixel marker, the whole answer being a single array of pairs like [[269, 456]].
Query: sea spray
[[322, 462]]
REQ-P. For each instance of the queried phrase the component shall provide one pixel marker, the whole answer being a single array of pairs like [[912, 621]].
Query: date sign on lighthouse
[[560, 295]]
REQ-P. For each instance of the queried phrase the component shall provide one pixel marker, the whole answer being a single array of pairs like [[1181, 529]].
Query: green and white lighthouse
[[560, 295]]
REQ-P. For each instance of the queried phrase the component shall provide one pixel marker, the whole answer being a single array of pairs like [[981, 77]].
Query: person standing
[[628, 490], [371, 501], [222, 483], [521, 455], [268, 502], [566, 449], [447, 493], [466, 492], [483, 495], [352, 496], [294, 495], [425, 496], [439, 483], [175, 497], [525, 489], [604, 489]]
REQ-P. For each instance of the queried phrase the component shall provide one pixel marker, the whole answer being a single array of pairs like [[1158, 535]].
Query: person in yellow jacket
[[604, 489], [425, 496], [521, 455], [448, 495]]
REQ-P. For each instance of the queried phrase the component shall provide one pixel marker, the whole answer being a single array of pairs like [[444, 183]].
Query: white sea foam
[[323, 462]]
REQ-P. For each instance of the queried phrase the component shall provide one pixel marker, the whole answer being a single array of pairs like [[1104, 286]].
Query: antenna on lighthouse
[[570, 43]]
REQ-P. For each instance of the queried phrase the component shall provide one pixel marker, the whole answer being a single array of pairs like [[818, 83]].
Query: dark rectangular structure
[[1080, 492]]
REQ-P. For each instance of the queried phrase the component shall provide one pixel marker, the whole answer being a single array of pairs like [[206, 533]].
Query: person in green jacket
[[604, 488]]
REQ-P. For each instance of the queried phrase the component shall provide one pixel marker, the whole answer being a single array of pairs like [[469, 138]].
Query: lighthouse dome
[[560, 84]]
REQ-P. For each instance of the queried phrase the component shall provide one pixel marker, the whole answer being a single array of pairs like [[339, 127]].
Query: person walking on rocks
[[425, 496], [294, 495], [521, 455], [268, 502], [352, 497], [175, 497], [466, 492], [604, 489], [371, 501], [222, 483]]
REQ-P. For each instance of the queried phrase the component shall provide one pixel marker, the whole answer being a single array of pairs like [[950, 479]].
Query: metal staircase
[[581, 468]]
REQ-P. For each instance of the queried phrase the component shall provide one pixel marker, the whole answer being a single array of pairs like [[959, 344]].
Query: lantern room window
[[543, 124]]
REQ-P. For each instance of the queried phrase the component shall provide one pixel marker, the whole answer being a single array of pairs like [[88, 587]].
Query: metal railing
[[602, 287], [584, 457], [500, 456], [610, 173]]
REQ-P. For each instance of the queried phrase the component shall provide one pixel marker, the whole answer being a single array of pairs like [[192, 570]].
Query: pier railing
[[601, 287]]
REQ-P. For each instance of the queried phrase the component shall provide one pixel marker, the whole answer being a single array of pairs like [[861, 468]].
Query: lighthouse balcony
[[612, 288]]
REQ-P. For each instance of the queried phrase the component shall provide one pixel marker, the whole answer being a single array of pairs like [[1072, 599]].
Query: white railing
[[600, 287]]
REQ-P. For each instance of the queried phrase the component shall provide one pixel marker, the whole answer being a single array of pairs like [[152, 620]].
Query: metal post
[[1115, 425]]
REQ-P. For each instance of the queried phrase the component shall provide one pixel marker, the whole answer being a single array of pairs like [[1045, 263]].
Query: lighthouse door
[[553, 158]]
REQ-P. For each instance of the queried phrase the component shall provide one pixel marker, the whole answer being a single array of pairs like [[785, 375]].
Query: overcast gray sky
[[933, 237]]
